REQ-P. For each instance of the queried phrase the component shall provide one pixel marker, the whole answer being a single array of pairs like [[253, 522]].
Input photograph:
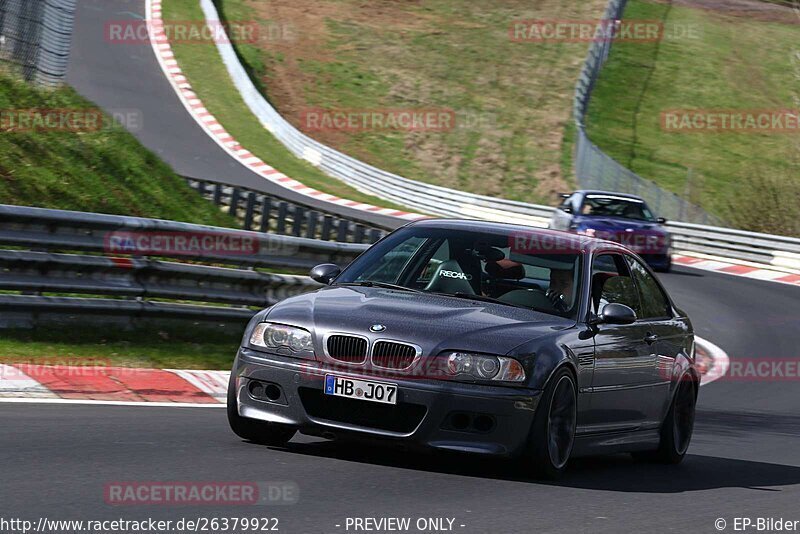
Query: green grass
[[105, 171], [169, 347], [730, 63], [202, 65], [512, 100]]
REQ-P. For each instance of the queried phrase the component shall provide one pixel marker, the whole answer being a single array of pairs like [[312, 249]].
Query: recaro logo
[[456, 274]]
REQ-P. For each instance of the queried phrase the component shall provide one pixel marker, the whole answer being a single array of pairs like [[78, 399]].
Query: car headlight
[[484, 367], [280, 336]]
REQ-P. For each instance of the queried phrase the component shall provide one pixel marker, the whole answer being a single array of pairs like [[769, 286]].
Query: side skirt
[[610, 443]]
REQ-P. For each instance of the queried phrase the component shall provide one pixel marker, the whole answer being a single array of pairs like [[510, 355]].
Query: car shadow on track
[[610, 473]]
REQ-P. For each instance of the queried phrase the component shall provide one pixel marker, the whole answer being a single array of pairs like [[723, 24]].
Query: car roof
[[609, 193], [586, 243]]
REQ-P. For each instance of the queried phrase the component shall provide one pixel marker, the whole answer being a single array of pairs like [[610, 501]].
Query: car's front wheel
[[553, 431], [251, 429]]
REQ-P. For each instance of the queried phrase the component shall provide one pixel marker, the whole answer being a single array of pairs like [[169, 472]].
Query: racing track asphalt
[[744, 458], [126, 77]]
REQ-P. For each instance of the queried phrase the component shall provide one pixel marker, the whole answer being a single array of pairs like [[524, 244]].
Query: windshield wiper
[[384, 285], [481, 298]]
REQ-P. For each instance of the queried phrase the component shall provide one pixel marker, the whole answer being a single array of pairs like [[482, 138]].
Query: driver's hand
[[558, 300]]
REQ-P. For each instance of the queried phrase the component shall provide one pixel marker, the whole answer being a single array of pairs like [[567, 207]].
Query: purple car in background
[[618, 217]]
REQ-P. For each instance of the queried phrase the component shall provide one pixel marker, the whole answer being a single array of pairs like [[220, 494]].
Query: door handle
[[651, 338]]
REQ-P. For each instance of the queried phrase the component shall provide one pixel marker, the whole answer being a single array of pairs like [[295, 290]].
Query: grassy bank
[[205, 70], [102, 170], [710, 59], [511, 100]]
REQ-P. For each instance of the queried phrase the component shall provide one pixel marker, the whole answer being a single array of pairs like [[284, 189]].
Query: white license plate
[[368, 390]]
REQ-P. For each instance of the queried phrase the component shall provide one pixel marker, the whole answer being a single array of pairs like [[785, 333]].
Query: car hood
[[433, 322]]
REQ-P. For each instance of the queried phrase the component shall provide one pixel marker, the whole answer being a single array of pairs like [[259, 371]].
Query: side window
[[655, 304], [612, 283]]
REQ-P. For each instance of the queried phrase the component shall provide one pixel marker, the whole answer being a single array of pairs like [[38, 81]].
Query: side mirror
[[566, 209], [661, 220], [325, 273], [615, 313]]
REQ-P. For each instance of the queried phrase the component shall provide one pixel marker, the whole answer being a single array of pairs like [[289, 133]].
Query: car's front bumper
[[429, 413]]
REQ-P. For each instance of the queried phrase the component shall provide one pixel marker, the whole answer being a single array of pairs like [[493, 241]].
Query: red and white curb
[[124, 386], [737, 268], [215, 130]]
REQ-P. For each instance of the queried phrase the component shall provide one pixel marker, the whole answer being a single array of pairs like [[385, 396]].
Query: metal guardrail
[[266, 213], [597, 170], [777, 251], [56, 263], [66, 263], [36, 35]]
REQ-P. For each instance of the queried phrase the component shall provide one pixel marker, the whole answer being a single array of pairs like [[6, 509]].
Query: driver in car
[[560, 290]]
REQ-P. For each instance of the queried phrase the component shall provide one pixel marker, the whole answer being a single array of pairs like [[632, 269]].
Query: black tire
[[677, 428], [252, 430], [553, 431]]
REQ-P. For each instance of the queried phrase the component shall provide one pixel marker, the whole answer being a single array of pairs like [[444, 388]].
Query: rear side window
[[612, 283], [655, 304]]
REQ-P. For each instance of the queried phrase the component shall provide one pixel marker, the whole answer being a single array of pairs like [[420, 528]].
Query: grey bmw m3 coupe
[[477, 337]]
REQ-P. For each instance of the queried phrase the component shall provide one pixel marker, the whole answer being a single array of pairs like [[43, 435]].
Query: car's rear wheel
[[553, 431], [253, 430], [676, 431]]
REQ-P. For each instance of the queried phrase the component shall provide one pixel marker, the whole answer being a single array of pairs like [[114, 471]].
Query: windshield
[[482, 265], [614, 206]]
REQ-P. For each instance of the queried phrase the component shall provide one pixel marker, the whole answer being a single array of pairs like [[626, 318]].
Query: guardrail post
[[341, 232], [266, 211], [217, 194], [297, 223], [201, 188], [327, 225], [374, 235], [283, 209], [233, 208], [358, 237], [311, 224], [248, 213]]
